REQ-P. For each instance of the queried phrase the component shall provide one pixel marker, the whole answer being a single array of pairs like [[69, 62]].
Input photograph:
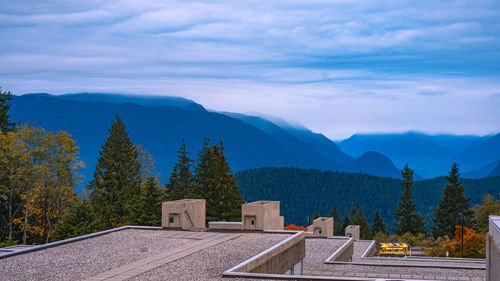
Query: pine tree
[[378, 225], [337, 227], [78, 220], [360, 219], [146, 209], [5, 124], [452, 206], [116, 177], [216, 184], [181, 182], [407, 219]]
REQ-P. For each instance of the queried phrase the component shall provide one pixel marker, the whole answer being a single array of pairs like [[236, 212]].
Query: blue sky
[[337, 67]]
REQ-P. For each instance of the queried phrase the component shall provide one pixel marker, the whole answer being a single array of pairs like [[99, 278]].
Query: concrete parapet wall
[[343, 253], [185, 214], [321, 227], [371, 251], [225, 225], [352, 231], [493, 249], [277, 259], [262, 215]]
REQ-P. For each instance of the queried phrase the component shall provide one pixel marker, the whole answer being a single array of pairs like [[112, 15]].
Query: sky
[[336, 67]]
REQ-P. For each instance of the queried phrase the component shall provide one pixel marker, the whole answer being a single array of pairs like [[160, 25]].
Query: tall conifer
[[215, 183], [378, 225], [407, 219], [116, 177], [181, 180], [334, 213], [146, 209], [452, 206], [364, 228], [5, 124]]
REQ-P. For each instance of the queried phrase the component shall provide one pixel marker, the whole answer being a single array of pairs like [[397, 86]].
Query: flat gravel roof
[[82, 259], [210, 263]]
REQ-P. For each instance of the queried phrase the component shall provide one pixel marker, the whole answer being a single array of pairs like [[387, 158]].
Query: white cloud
[[336, 66]]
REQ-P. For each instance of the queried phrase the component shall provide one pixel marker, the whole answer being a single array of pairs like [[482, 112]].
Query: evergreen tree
[[5, 124], [407, 219], [316, 215], [348, 218], [360, 219], [146, 209], [181, 180], [345, 222], [378, 225], [337, 227], [116, 177], [78, 220], [452, 206], [215, 183]]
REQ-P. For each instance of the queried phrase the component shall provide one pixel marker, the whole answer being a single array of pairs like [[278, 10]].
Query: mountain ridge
[[160, 129]]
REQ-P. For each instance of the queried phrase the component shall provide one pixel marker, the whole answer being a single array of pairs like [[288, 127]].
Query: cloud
[[431, 93], [336, 66]]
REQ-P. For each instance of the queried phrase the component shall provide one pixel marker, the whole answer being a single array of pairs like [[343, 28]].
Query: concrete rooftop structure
[[155, 253]]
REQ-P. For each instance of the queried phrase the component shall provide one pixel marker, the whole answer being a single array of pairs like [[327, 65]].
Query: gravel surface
[[86, 258], [318, 250], [210, 263], [409, 272], [359, 249]]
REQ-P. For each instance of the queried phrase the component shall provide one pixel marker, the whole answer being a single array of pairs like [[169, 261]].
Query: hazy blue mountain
[[480, 154], [374, 163], [482, 172], [158, 129], [140, 100], [319, 147], [430, 156], [250, 142], [298, 138], [496, 171]]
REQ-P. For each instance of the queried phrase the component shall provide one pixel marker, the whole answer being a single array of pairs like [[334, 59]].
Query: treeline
[[304, 191], [39, 170], [454, 226]]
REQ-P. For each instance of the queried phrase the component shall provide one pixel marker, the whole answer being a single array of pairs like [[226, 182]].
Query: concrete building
[[352, 231], [155, 253], [493, 249], [262, 215], [322, 227], [183, 214]]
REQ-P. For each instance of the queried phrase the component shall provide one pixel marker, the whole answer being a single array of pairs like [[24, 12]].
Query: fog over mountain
[[160, 123]]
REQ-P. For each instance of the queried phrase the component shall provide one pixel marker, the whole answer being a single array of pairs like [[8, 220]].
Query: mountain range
[[160, 123], [431, 155]]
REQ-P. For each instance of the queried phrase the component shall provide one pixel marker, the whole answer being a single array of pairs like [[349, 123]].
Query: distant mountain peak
[[145, 100]]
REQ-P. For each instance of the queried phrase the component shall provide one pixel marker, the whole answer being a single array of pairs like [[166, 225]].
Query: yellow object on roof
[[393, 249]]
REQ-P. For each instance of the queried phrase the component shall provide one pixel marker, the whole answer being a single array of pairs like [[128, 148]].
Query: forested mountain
[[159, 124], [304, 191], [430, 155]]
